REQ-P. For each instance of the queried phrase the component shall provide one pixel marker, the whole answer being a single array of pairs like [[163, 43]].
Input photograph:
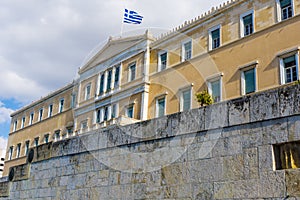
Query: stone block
[[272, 184], [233, 167], [265, 158], [264, 106], [293, 128], [4, 189], [250, 168], [292, 179], [202, 191], [216, 116], [238, 111], [275, 131], [286, 101]]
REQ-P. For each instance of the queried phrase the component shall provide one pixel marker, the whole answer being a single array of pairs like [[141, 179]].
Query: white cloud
[[5, 114], [3, 143]]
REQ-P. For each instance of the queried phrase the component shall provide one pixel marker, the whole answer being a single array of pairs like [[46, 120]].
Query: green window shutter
[[247, 19], [215, 34], [186, 95], [249, 81], [216, 90], [285, 3]]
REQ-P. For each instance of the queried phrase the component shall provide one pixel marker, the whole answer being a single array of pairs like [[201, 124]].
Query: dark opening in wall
[[287, 155]]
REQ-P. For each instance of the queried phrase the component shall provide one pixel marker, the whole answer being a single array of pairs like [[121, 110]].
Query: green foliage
[[204, 98]]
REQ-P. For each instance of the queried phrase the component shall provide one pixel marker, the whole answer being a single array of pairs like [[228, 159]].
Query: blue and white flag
[[132, 17]]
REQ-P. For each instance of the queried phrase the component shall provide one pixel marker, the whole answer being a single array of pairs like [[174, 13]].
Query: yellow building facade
[[236, 49]]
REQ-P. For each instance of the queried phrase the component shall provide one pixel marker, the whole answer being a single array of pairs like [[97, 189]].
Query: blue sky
[[44, 42]]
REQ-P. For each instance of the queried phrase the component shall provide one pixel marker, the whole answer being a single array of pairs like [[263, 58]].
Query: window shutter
[[250, 81], [285, 3]]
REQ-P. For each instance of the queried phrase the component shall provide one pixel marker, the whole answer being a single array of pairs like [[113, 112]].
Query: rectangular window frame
[[18, 150], [130, 107], [210, 40], [117, 76], [245, 68], [31, 118], [41, 112], [36, 141], [242, 23], [61, 105], [10, 152], [23, 122], [157, 108], [281, 57], [27, 145], [162, 65], [46, 138], [131, 71], [50, 110], [182, 91], [186, 55], [15, 126], [212, 79], [280, 11], [87, 94]]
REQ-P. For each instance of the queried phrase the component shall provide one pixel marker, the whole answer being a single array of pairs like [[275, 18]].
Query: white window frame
[[61, 106], [281, 64], [27, 146], [38, 141], [129, 72], [157, 106], [10, 152], [243, 69], [87, 94], [46, 138], [116, 105], [15, 125], [159, 60], [31, 118], [127, 107], [210, 37], [73, 100], [182, 90], [18, 150], [279, 18], [183, 51], [120, 76], [82, 124], [242, 25], [50, 112], [23, 122], [214, 78], [41, 113]]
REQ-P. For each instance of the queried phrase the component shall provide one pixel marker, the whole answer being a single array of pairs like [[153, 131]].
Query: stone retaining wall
[[223, 151]]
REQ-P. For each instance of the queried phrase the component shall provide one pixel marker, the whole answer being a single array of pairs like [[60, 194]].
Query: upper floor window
[[186, 50], [130, 111], [41, 114], [31, 118], [46, 138], [109, 79], [215, 37], [185, 99], [101, 88], [98, 116], [15, 125], [50, 110], [18, 150], [23, 122], [160, 106], [61, 105], [117, 77], [162, 60], [289, 67], [27, 143], [285, 8], [84, 124], [248, 80], [57, 135], [214, 85], [36, 141], [87, 92], [114, 111], [132, 71], [10, 152], [73, 100], [247, 23]]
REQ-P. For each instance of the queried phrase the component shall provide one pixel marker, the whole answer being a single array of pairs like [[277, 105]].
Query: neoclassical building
[[235, 49]]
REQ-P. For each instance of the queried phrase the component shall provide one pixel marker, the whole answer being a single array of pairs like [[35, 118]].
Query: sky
[[43, 43]]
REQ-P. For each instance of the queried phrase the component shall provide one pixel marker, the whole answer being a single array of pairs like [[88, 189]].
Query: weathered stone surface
[[292, 179], [239, 111], [4, 189]]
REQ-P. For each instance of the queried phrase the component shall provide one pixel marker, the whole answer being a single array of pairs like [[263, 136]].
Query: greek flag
[[132, 17]]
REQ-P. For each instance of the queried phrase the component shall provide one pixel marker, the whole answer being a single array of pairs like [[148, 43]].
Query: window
[[117, 77], [160, 107], [162, 60], [70, 130], [132, 71], [109, 77], [31, 118], [98, 116], [248, 81], [185, 100], [57, 135], [214, 88], [41, 114], [73, 100], [287, 155], [84, 125], [186, 51], [130, 111], [106, 117], [50, 110], [87, 92], [289, 68], [285, 9], [36, 141], [247, 24], [23, 122], [27, 147], [214, 37], [15, 125], [46, 138], [101, 88], [18, 150], [114, 111], [10, 153], [61, 105]]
